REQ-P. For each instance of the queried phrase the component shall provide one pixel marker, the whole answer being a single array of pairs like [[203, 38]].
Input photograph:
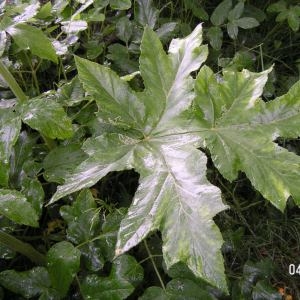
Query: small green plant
[[225, 14], [285, 12]]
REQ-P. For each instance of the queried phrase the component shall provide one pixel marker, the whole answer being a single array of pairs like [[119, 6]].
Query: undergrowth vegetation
[[149, 149]]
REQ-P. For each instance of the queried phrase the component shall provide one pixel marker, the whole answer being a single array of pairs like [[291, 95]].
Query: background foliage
[[37, 151]]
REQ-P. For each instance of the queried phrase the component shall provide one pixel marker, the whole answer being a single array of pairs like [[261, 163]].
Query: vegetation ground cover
[[95, 113]]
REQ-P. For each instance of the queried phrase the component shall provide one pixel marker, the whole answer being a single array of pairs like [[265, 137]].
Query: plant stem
[[23, 248], [10, 80], [33, 74], [154, 266]]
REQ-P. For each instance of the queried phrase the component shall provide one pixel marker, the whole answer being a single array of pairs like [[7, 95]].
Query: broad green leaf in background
[[174, 195], [83, 224], [263, 291], [51, 282], [154, 292], [157, 133], [124, 29], [20, 156], [120, 4], [247, 23], [186, 289], [220, 13], [232, 30], [215, 36], [26, 36], [34, 193], [279, 6], [29, 284], [63, 262], [46, 116], [166, 30], [236, 12], [197, 9], [147, 14], [61, 161], [45, 11], [110, 230], [255, 282], [10, 126], [15, 207], [70, 93], [125, 275], [177, 289], [119, 54]]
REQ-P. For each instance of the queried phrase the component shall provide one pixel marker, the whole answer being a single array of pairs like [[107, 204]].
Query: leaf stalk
[[23, 248], [12, 83]]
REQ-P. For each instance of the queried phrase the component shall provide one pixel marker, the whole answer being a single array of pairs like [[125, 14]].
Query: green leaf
[[126, 267], [293, 20], [282, 16], [63, 262], [232, 30], [10, 125], [253, 11], [154, 292], [157, 156], [246, 23], [5, 22], [166, 30], [15, 206], [26, 36], [215, 36], [119, 105], [62, 161], [120, 4], [185, 289], [94, 49], [20, 157], [119, 54], [157, 132], [94, 287], [147, 14], [71, 93], [83, 225], [124, 29], [110, 230], [197, 9], [47, 117], [263, 291], [277, 7], [220, 13], [125, 274], [236, 12], [34, 193], [45, 11], [29, 284], [243, 130]]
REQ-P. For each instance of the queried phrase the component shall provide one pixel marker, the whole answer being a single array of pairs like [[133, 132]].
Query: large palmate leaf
[[157, 132], [242, 128]]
